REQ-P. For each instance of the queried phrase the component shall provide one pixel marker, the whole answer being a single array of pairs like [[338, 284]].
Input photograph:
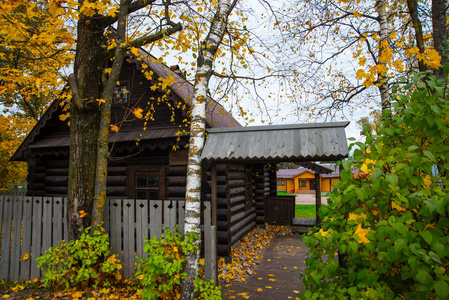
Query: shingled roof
[[278, 143], [216, 115]]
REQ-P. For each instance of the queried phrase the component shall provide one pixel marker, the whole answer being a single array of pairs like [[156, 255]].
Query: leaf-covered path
[[277, 275]]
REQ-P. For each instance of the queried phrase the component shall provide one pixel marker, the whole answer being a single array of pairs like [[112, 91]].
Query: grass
[[283, 193], [305, 211]]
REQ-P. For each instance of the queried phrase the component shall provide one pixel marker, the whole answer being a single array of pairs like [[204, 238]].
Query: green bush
[[84, 262], [386, 231], [161, 273]]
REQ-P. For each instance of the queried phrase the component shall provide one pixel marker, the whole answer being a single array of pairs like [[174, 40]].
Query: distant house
[[302, 180]]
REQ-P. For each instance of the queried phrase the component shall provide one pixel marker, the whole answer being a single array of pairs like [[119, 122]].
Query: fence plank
[[57, 224], [106, 216], [207, 245], [37, 235], [115, 234], [46, 224], [128, 237], [181, 216], [64, 220], [26, 238], [15, 246], [155, 217], [6, 243], [169, 214], [141, 226]]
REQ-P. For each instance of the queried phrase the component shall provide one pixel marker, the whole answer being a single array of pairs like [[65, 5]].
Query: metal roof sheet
[[295, 142]]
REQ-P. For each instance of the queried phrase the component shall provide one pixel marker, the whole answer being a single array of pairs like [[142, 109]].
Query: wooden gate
[[280, 210]]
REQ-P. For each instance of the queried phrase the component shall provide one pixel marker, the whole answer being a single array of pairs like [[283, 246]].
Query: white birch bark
[[383, 34], [205, 61]]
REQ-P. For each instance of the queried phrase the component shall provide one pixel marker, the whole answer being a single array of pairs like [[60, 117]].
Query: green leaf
[[423, 277], [429, 155], [426, 235], [441, 288], [399, 244]]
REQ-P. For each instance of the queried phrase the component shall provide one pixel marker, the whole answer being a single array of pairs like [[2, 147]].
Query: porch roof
[[278, 143]]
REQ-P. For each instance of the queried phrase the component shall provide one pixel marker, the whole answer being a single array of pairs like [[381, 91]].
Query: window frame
[[302, 183], [158, 170]]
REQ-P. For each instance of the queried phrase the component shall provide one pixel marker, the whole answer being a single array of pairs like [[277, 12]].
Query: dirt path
[[309, 199], [277, 275]]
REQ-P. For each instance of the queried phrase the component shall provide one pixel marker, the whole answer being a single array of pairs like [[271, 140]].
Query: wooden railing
[[42, 224]]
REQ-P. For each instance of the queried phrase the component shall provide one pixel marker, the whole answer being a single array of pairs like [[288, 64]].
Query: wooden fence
[[129, 222]]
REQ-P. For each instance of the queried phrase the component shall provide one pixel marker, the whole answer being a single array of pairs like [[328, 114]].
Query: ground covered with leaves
[[245, 258]]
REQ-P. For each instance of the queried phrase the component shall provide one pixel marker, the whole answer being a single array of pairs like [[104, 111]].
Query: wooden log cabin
[[143, 164]]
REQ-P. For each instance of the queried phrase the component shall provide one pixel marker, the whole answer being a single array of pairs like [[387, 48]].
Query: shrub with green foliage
[[160, 274], [84, 262], [386, 231]]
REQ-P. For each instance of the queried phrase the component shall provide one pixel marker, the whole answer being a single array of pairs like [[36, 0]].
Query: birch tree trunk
[[205, 60], [383, 44]]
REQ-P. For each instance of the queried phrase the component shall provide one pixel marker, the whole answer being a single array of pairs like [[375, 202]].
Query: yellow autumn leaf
[[397, 207], [25, 256], [113, 128], [64, 117], [5, 296], [356, 216], [135, 51], [17, 288], [361, 233], [268, 287], [270, 275], [433, 58], [259, 290]]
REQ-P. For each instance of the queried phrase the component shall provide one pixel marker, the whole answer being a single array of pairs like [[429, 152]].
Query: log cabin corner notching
[[143, 165]]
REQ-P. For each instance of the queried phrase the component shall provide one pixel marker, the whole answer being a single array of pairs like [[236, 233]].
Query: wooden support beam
[[317, 196]]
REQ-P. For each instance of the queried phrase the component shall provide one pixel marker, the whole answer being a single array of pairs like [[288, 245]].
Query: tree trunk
[[439, 32], [205, 61], [84, 122], [414, 15], [105, 113], [383, 44]]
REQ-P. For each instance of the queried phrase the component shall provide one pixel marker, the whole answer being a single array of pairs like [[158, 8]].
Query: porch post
[[317, 196], [214, 254]]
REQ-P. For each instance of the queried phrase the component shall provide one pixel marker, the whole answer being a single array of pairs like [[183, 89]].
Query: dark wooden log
[[39, 177], [175, 170], [176, 181], [236, 199], [56, 190], [236, 175], [175, 191], [117, 180], [223, 237], [236, 191], [236, 183], [222, 214], [221, 191], [57, 163], [117, 170], [222, 226], [236, 228], [121, 191], [224, 251], [241, 215], [222, 202], [56, 181], [242, 233], [234, 167], [57, 172], [237, 208]]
